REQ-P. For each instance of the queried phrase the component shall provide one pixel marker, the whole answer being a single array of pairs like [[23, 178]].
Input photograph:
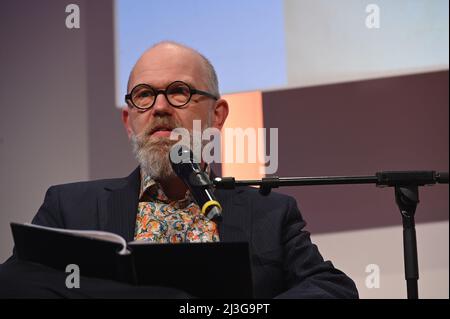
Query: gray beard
[[153, 156], [152, 153]]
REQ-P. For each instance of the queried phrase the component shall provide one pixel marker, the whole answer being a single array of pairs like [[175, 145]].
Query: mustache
[[160, 123]]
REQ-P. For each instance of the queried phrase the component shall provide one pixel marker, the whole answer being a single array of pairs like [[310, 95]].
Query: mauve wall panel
[[359, 128]]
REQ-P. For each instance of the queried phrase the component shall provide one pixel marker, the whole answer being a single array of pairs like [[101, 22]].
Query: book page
[[93, 234]]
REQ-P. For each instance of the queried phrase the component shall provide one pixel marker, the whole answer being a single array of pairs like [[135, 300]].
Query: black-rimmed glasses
[[178, 94]]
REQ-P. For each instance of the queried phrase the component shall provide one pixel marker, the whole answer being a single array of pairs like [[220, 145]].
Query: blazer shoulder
[[90, 186], [75, 205], [94, 186]]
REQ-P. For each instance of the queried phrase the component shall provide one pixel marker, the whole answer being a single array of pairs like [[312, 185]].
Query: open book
[[207, 270]]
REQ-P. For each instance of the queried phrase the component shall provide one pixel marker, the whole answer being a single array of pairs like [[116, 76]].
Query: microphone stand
[[405, 183]]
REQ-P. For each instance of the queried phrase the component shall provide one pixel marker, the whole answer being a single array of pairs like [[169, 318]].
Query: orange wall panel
[[245, 112]]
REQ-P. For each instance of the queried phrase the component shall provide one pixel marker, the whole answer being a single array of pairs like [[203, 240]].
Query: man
[[171, 86]]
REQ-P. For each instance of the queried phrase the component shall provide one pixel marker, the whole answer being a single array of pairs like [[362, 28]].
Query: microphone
[[199, 184]]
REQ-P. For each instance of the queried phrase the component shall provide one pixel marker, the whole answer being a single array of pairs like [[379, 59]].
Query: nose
[[162, 106]]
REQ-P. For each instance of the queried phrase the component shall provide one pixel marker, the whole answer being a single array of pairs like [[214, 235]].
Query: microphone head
[[186, 166], [182, 158], [180, 154]]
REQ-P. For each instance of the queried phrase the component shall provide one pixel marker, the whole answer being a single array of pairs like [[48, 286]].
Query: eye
[[179, 90], [143, 93]]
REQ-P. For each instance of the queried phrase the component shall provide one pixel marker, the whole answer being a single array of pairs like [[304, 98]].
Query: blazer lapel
[[118, 206]]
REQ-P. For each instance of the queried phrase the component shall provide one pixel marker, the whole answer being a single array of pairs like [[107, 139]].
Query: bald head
[[170, 57]]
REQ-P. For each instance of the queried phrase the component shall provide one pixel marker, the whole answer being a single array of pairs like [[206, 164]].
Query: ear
[[126, 121], [220, 113]]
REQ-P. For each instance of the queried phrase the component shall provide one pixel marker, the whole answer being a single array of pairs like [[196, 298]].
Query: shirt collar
[[152, 190]]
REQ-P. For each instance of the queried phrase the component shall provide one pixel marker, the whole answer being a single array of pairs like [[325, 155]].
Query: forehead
[[163, 65]]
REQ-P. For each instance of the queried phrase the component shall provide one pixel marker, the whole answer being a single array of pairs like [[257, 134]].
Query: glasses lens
[[178, 93], [143, 96]]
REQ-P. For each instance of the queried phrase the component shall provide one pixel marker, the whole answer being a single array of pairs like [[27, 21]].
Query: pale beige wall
[[352, 251]]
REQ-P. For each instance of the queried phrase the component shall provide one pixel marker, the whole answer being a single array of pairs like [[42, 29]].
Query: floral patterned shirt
[[161, 220]]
